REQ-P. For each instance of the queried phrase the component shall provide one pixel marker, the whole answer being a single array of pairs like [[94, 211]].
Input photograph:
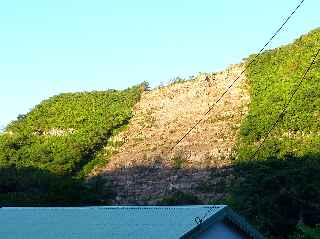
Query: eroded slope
[[144, 170]]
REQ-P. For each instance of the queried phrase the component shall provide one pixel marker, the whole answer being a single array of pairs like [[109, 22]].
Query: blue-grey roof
[[102, 222]]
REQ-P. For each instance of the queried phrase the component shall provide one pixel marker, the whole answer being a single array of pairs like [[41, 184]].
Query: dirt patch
[[160, 119]]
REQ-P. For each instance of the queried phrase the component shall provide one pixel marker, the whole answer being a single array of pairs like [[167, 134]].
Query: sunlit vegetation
[[280, 186], [45, 154], [61, 138]]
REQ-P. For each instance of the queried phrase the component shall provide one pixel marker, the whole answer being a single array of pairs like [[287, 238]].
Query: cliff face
[[144, 170]]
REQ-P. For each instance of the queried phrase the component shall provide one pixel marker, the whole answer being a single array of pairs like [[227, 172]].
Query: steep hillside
[[61, 137], [145, 171], [272, 79], [276, 190], [115, 146], [281, 186]]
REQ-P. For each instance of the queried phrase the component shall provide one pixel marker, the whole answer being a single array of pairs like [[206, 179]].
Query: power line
[[200, 220], [283, 112], [244, 70]]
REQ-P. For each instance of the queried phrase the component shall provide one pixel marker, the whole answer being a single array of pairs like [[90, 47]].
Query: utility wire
[[283, 112], [244, 70], [200, 220]]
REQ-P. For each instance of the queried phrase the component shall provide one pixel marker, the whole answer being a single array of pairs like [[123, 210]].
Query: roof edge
[[242, 224], [225, 213], [198, 229]]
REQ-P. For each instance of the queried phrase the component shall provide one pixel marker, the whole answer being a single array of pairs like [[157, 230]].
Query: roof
[[107, 222], [225, 215]]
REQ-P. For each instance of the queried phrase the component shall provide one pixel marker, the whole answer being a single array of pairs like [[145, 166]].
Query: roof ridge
[[162, 207]]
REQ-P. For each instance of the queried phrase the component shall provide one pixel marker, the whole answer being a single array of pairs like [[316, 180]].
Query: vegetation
[[61, 138], [27, 186], [45, 154], [281, 185], [305, 232], [272, 79], [180, 198], [178, 161]]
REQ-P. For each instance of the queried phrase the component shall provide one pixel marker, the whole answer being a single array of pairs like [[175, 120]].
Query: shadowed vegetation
[[276, 194], [30, 186]]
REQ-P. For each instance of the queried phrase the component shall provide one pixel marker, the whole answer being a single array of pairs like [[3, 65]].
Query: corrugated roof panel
[[100, 222]]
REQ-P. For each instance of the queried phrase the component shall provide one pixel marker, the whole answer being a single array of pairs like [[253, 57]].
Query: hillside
[[113, 147], [145, 171], [277, 189], [281, 185], [60, 138]]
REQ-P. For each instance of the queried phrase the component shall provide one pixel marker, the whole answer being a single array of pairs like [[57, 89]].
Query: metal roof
[[102, 222]]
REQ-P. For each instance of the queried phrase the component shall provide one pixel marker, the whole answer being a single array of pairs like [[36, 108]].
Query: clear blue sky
[[49, 47]]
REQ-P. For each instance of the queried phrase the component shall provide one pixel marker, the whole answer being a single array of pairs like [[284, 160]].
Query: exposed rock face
[[56, 132], [145, 169], [59, 132]]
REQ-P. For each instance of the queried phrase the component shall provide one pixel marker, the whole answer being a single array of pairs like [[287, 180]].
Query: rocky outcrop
[[145, 169], [55, 132]]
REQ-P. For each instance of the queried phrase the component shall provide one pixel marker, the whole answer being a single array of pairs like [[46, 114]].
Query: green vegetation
[[180, 198], [178, 161], [272, 79], [27, 186], [281, 184], [275, 194], [305, 232], [45, 155], [61, 140]]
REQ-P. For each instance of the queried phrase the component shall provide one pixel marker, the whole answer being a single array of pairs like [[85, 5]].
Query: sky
[[50, 47]]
